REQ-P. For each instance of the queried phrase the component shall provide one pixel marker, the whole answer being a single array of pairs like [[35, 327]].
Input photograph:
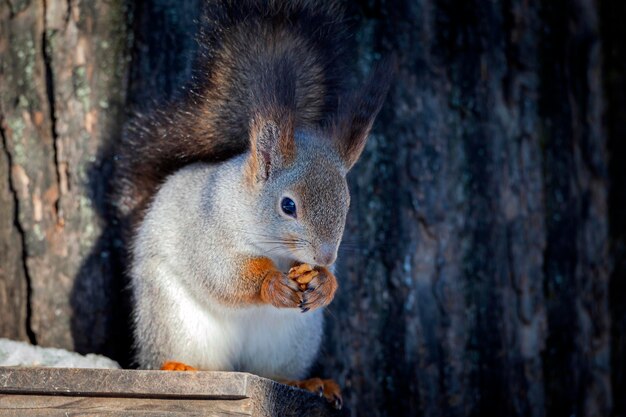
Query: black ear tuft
[[357, 112], [272, 142]]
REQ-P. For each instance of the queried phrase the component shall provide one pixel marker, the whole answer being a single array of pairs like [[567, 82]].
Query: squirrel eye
[[288, 206]]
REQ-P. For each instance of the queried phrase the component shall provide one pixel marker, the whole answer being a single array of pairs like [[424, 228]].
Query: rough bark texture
[[63, 84], [614, 51], [480, 212], [476, 264]]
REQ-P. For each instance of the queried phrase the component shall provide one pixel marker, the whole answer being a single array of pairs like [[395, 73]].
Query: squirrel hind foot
[[326, 388], [176, 366]]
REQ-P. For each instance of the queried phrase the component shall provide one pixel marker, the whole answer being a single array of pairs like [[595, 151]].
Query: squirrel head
[[297, 177], [300, 195]]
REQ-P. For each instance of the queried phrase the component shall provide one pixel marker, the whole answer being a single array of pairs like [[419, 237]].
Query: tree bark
[[474, 274], [63, 86], [614, 51], [480, 212]]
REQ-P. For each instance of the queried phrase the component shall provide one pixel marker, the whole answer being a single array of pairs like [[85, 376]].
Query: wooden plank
[[46, 405], [124, 383], [117, 392]]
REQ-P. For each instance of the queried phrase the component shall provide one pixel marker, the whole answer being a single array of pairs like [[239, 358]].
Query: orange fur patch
[[258, 268], [176, 366], [255, 272], [248, 288], [275, 287]]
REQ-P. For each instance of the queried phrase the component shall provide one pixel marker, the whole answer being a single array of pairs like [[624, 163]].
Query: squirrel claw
[[303, 307], [338, 403], [320, 290]]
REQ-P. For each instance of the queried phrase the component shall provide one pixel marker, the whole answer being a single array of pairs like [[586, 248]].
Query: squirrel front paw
[[320, 289], [281, 291]]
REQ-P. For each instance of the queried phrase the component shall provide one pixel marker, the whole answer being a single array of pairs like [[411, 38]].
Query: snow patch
[[13, 353]]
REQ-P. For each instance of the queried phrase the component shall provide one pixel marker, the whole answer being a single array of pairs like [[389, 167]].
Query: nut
[[303, 274], [306, 277], [298, 270]]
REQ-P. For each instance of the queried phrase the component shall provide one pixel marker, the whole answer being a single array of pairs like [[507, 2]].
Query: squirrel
[[227, 188]]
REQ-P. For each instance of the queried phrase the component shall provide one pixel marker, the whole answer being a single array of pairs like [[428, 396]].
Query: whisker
[[273, 249], [292, 242], [272, 241], [271, 236]]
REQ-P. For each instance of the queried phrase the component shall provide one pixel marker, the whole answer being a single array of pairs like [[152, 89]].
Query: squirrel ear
[[273, 104], [272, 145], [357, 112]]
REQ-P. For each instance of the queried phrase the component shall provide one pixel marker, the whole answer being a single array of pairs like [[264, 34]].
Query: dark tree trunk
[[480, 212], [614, 51], [476, 266]]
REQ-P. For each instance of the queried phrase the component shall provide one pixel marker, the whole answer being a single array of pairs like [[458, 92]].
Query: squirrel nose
[[326, 254]]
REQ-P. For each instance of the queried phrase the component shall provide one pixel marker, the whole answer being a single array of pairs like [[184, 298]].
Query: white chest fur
[[264, 340]]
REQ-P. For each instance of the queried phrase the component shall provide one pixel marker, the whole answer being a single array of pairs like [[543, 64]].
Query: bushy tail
[[243, 44]]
